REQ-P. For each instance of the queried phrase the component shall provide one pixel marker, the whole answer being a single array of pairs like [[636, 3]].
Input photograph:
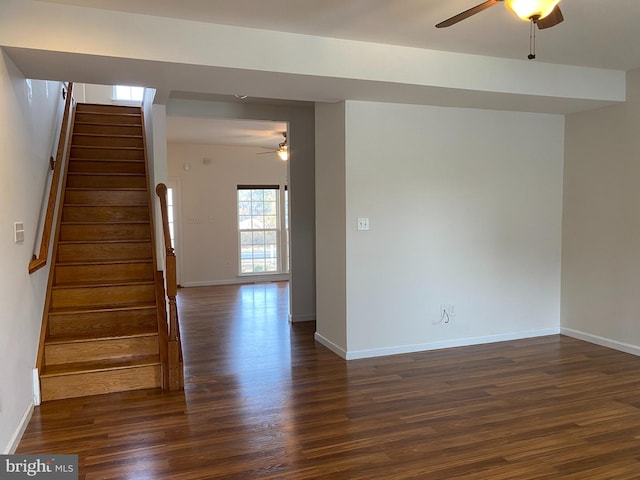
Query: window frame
[[277, 230], [131, 98]]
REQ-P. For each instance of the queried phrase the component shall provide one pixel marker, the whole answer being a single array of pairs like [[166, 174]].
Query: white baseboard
[[330, 345], [240, 280], [307, 317], [17, 436], [605, 342], [458, 342]]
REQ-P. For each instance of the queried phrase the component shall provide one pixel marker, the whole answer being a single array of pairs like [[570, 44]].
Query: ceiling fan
[[282, 150], [543, 13]]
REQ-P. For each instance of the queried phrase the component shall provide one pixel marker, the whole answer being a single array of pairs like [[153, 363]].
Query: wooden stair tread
[[106, 124], [93, 242], [124, 222], [110, 205], [107, 174], [111, 283], [108, 112], [99, 366], [110, 160], [104, 309], [106, 189], [122, 332], [85, 106], [104, 262], [107, 135], [101, 147]]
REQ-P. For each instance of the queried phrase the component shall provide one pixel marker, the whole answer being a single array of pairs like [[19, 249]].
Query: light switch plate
[[18, 229]]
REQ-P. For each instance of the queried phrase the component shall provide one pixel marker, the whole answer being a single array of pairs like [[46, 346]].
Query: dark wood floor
[[262, 400]]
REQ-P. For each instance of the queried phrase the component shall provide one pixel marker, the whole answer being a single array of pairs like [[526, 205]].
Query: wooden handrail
[[176, 374], [40, 260]]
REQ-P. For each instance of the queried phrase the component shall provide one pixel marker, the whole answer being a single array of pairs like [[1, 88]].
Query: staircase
[[101, 332]]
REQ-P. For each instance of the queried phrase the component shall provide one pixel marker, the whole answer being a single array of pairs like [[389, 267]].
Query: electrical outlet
[[363, 223], [447, 312]]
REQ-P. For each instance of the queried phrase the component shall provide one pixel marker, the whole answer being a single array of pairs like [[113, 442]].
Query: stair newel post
[[176, 375]]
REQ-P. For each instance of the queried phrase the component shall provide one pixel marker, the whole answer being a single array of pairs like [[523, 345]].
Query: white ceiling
[[597, 33], [248, 133]]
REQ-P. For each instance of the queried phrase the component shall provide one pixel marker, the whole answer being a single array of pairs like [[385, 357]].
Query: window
[[127, 93], [259, 229]]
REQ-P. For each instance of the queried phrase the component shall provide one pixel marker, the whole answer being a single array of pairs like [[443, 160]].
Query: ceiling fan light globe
[[527, 9], [283, 153]]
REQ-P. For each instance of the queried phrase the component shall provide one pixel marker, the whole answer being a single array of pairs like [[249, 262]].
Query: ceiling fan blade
[[467, 13], [554, 18], [265, 153]]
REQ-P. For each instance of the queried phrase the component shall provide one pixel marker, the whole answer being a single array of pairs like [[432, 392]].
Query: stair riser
[[105, 232], [100, 252], [111, 349], [105, 197], [109, 119], [102, 296], [105, 214], [65, 274], [100, 323], [107, 166], [92, 128], [97, 383], [103, 108], [104, 153], [75, 180], [103, 140]]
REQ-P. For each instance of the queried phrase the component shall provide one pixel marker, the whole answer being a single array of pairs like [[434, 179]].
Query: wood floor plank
[[263, 400]]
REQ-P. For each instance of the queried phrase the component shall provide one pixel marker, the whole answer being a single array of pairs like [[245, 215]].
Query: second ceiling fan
[[544, 13]]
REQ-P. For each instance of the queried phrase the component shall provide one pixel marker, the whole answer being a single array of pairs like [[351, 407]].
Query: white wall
[[208, 251], [465, 209], [601, 225], [27, 120], [156, 138], [90, 93], [331, 246]]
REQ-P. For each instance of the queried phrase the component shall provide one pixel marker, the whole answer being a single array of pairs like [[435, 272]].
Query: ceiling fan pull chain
[[532, 40]]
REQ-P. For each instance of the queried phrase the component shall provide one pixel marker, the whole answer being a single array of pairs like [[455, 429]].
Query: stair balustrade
[[174, 366]]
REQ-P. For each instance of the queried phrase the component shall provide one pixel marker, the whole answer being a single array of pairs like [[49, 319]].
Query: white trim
[[307, 317], [330, 345], [36, 387], [17, 436], [239, 280], [605, 342], [460, 342]]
